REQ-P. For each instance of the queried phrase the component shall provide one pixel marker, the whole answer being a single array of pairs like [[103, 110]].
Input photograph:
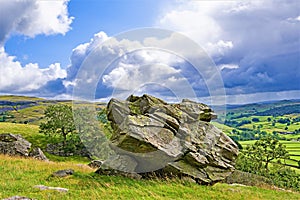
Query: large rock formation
[[16, 145], [153, 137]]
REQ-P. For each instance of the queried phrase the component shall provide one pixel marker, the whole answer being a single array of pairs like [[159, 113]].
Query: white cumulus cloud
[[33, 17], [139, 66], [30, 18], [17, 78]]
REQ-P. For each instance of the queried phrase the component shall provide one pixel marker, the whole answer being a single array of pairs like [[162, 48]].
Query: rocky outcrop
[[16, 145], [153, 137]]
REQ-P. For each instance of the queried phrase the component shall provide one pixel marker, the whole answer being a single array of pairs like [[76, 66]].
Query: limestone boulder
[[151, 136]]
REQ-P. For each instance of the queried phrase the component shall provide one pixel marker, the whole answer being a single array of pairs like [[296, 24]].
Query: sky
[[242, 51]]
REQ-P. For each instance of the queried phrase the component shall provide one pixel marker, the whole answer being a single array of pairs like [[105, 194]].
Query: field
[[247, 123], [19, 176], [22, 115], [292, 147]]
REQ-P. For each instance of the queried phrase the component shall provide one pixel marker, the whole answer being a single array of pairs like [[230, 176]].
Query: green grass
[[28, 131], [18, 98], [34, 114], [267, 126], [222, 127], [31, 115], [19, 176]]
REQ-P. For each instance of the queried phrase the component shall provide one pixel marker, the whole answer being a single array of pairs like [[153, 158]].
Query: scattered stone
[[95, 164], [18, 198], [237, 184], [153, 137], [63, 173], [59, 189], [38, 154], [110, 171]]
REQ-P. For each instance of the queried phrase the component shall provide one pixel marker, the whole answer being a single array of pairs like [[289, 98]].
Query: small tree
[[59, 121], [266, 150]]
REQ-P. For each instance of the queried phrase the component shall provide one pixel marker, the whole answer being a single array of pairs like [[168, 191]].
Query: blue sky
[[91, 16], [255, 46]]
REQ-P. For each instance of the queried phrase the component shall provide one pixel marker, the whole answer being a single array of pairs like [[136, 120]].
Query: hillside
[[28, 110], [250, 122], [22, 115]]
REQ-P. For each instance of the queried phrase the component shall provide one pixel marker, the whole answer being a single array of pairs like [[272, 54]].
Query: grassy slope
[[267, 126], [224, 128], [18, 98], [29, 132], [18, 176]]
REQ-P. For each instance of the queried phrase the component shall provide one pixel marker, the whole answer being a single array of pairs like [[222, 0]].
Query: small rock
[[43, 187], [63, 173], [237, 184], [18, 198], [38, 154], [95, 164]]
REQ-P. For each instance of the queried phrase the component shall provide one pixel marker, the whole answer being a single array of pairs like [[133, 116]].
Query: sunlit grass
[[18, 98], [19, 176]]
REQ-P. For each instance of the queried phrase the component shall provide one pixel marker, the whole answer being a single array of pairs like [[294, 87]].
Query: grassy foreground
[[19, 175]]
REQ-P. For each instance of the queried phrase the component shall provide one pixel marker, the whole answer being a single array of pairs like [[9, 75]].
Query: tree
[[269, 119], [266, 150], [273, 123], [59, 121]]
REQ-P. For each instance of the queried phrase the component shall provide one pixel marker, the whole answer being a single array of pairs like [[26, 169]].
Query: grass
[[19, 176], [32, 115], [28, 131], [267, 126], [18, 98], [222, 127]]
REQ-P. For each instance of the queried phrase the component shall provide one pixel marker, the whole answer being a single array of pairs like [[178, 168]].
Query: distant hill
[[28, 110]]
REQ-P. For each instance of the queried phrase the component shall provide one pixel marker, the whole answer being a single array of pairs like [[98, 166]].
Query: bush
[[247, 178], [286, 178], [255, 119]]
